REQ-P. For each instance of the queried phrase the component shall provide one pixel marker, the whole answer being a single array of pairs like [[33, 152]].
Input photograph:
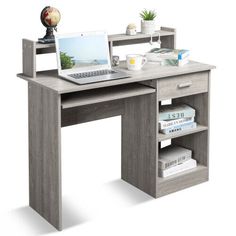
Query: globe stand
[[49, 37]]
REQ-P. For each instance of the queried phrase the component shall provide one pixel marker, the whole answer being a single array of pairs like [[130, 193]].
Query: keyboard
[[92, 74]]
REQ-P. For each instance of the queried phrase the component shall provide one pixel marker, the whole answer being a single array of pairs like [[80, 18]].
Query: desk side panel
[[44, 154], [139, 145], [29, 58]]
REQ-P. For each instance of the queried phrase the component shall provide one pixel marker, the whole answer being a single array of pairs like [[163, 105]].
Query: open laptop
[[84, 58]]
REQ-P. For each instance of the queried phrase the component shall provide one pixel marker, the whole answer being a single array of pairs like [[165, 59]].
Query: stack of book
[[173, 118], [166, 56], [175, 159]]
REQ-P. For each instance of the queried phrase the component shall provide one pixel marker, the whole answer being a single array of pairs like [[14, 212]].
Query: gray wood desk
[[55, 103]]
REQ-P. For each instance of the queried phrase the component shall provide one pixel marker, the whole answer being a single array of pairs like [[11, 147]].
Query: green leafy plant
[[148, 14], [66, 61]]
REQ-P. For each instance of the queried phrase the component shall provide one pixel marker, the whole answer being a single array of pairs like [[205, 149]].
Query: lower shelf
[[182, 180]]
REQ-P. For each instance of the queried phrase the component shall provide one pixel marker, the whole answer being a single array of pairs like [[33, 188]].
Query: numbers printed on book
[[176, 115]]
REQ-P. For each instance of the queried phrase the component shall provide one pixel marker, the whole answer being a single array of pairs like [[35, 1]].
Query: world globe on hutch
[[50, 17]]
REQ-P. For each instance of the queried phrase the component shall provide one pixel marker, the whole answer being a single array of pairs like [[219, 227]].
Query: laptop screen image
[[81, 52]]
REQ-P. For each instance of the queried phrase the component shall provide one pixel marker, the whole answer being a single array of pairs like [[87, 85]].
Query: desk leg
[[139, 145], [44, 154]]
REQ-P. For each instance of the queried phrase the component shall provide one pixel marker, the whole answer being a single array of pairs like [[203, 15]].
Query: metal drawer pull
[[185, 85]]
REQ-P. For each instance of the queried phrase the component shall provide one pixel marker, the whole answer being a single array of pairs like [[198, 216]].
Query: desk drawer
[[182, 85]]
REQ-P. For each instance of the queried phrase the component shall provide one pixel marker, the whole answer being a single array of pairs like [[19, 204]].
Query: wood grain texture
[[104, 95], [183, 85], [45, 154], [200, 128], [200, 102], [139, 145], [51, 81], [168, 42], [197, 142], [139, 110], [165, 31], [78, 115], [29, 58], [181, 181]]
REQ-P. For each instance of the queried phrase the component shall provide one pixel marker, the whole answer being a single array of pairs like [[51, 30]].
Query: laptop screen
[[83, 51]]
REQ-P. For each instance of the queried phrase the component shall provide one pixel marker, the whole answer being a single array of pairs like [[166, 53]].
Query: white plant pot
[[148, 26]]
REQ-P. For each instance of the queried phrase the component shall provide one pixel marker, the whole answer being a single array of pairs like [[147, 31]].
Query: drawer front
[[182, 85]]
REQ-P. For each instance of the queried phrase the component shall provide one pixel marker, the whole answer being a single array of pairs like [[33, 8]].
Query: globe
[[50, 18]]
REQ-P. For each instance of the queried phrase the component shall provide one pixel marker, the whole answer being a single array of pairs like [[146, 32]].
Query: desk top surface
[[50, 80]]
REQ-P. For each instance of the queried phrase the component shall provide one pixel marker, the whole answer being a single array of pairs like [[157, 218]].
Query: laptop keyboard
[[92, 74]]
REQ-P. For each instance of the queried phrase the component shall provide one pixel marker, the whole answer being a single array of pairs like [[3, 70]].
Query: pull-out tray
[[104, 94]]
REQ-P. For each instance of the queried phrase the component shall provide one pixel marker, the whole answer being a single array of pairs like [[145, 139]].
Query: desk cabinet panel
[[183, 85]]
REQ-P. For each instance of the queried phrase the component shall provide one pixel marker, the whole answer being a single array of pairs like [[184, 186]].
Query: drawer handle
[[185, 85]]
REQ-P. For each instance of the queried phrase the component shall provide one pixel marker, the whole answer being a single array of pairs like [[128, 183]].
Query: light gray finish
[[199, 141], [29, 58], [164, 32], [183, 85], [123, 39], [162, 137], [56, 103], [200, 103], [170, 41], [45, 154], [104, 95], [139, 146], [181, 181], [78, 115], [32, 48], [50, 79]]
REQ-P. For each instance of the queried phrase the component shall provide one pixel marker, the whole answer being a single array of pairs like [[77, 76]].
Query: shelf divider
[[199, 128]]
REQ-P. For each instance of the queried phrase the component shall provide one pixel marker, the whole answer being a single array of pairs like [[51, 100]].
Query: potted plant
[[148, 21]]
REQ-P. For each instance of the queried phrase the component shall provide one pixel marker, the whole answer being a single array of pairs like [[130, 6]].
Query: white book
[[187, 165], [170, 112], [173, 155], [181, 127], [164, 124]]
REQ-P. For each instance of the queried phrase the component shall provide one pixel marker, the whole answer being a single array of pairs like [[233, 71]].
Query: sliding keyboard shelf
[[163, 137], [104, 95]]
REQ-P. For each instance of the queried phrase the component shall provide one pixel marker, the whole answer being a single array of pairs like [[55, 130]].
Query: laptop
[[84, 58]]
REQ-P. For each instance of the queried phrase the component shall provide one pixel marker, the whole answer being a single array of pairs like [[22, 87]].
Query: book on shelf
[[167, 56], [187, 165], [172, 156], [164, 124], [170, 112], [181, 127]]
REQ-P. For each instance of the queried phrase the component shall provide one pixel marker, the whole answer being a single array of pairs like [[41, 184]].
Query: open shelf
[[163, 137], [182, 180], [181, 174], [104, 95], [114, 39]]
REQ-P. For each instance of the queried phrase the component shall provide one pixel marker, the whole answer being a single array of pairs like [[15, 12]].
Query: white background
[[95, 200]]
